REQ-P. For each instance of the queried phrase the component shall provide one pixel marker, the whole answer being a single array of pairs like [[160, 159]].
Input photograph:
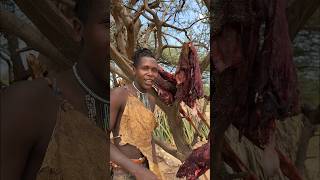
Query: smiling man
[[132, 122], [57, 130]]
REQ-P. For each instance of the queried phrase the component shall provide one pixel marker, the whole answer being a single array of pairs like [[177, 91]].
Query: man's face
[[96, 39], [146, 72]]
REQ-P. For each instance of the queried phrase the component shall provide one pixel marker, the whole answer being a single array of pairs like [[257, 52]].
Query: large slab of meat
[[252, 55], [186, 84]]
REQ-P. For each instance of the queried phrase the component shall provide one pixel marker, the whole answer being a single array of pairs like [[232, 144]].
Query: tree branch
[[173, 37], [170, 46], [306, 133], [205, 63], [116, 71], [298, 14], [121, 62], [33, 37], [24, 49], [52, 24], [174, 152], [207, 3]]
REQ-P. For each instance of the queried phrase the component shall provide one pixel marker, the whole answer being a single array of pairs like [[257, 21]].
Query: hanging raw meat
[[260, 82], [165, 85], [186, 84], [262, 77], [197, 163], [188, 76]]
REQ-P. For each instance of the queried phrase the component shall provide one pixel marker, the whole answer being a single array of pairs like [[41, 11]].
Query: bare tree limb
[[313, 114], [207, 3], [59, 32], [147, 34], [170, 46], [19, 71], [24, 49], [174, 152], [116, 71], [34, 38], [298, 13], [205, 63], [121, 62], [173, 37], [306, 133], [68, 2], [132, 25]]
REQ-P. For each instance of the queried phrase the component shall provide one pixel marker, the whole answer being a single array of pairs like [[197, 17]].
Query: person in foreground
[[132, 123], [55, 129]]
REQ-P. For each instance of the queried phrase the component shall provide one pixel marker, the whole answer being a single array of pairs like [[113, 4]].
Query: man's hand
[[145, 174]]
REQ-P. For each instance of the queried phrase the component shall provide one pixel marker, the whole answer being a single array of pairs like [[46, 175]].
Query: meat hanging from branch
[[186, 84], [197, 163], [262, 79], [265, 83], [188, 76]]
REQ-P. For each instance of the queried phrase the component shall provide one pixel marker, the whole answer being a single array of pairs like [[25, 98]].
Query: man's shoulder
[[118, 90], [118, 93], [28, 92], [31, 100]]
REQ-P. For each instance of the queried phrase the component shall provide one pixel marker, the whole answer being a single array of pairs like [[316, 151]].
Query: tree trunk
[[18, 69], [176, 127]]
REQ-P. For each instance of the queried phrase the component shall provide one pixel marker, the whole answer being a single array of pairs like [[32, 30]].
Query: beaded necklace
[[142, 96], [90, 100]]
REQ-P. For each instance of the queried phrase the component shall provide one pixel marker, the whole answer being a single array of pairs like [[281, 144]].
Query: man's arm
[[117, 99]]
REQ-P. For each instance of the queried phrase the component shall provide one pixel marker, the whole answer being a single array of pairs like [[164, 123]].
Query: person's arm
[[117, 98]]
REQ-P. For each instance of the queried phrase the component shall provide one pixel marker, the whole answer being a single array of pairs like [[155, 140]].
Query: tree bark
[[306, 133], [19, 71], [31, 35], [52, 24], [175, 123], [298, 14]]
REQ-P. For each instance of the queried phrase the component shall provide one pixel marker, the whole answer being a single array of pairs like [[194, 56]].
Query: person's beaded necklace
[[93, 101], [142, 96]]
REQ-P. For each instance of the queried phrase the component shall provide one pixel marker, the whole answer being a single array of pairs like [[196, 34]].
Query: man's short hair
[[143, 52]]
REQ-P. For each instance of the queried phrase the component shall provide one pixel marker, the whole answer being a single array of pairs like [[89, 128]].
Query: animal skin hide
[[265, 81], [186, 84], [197, 163], [188, 76]]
